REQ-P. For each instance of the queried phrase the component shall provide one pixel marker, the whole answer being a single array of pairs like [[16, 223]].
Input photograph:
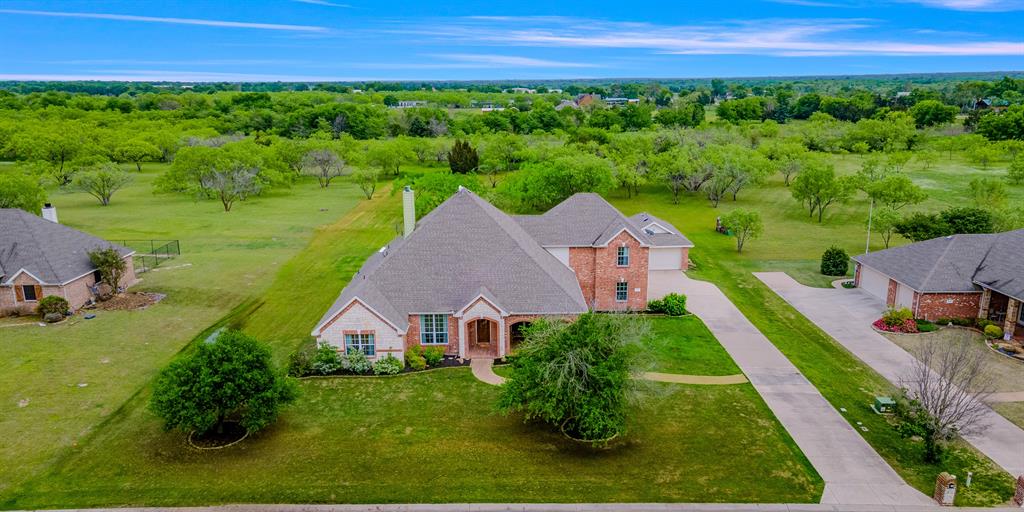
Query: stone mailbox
[[945, 489], [1018, 496]]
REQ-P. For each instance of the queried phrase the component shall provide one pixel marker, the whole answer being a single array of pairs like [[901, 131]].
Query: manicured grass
[[226, 259], [1013, 411], [1007, 374], [684, 345], [435, 437]]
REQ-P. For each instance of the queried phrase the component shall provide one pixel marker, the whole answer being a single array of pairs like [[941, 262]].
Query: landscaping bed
[[129, 301]]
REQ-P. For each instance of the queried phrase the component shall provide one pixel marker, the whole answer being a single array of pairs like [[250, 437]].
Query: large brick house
[[40, 257], [468, 276], [959, 276]]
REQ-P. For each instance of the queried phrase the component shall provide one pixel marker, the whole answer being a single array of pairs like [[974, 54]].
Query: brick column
[[1018, 496], [1012, 310], [986, 297]]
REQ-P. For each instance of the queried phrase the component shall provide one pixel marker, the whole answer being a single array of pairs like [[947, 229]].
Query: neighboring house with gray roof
[[39, 257], [469, 277], [959, 276]]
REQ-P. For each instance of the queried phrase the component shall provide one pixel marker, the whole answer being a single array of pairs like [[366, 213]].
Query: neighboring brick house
[[469, 276], [39, 257], [959, 276]]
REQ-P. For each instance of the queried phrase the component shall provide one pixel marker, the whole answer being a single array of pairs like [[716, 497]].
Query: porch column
[[1012, 311], [986, 297]]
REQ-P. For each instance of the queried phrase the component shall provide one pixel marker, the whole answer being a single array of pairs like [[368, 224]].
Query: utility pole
[[871, 209]]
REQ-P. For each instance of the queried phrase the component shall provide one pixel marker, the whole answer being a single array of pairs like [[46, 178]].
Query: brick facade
[[77, 292], [598, 273], [931, 306], [412, 335]]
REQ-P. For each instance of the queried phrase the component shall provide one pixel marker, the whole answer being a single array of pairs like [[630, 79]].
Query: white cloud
[[488, 60], [324, 3], [774, 37], [973, 5], [175, 21]]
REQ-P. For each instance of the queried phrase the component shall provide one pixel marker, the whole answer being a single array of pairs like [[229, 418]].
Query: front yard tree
[[818, 187], [579, 376], [231, 379], [744, 224], [234, 182], [21, 191], [136, 151], [101, 183], [463, 158], [323, 163], [948, 385], [111, 266], [367, 178]]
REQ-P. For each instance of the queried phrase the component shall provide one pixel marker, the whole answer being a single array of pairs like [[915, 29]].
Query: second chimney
[[50, 213], [408, 211]]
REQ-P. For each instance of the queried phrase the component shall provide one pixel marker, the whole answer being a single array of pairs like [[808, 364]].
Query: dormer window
[[623, 257]]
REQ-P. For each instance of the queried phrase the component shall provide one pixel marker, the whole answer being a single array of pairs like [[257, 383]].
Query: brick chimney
[[50, 213]]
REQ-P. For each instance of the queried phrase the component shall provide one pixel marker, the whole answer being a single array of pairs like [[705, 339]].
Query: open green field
[[793, 243], [77, 374], [375, 439]]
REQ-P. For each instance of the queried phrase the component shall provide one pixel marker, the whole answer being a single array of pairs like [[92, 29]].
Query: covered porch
[[1005, 310]]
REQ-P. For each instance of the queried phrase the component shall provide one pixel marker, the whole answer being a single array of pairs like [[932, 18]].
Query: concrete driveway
[[854, 473], [846, 315]]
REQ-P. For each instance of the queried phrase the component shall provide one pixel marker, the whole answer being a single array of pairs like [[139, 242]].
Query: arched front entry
[[517, 333], [482, 337]]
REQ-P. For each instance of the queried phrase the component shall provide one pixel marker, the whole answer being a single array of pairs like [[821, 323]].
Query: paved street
[[846, 315], [854, 473]]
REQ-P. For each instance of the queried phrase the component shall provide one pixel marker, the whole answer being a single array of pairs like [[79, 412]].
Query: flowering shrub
[[907, 326], [389, 365]]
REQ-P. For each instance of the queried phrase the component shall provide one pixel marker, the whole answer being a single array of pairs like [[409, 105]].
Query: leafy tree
[[744, 224], [367, 179], [883, 222], [835, 262], [932, 112], [325, 164], [927, 158], [1005, 126], [579, 376], [136, 151], [896, 191], [435, 188], [390, 155], [232, 378], [111, 265], [689, 115], [817, 187], [1015, 171], [21, 191], [788, 158], [982, 154], [463, 158], [235, 182], [806, 105], [967, 220], [102, 182], [746, 109], [502, 150], [988, 192], [542, 185]]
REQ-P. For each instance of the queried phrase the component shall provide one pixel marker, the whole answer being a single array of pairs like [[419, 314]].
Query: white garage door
[[905, 296], [874, 282], [666, 259]]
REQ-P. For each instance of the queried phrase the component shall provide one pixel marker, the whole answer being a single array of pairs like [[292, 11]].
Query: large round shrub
[[835, 262], [231, 379], [53, 305], [577, 376]]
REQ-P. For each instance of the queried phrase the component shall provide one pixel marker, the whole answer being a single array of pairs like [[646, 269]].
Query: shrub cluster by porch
[[897, 320], [327, 360], [673, 304]]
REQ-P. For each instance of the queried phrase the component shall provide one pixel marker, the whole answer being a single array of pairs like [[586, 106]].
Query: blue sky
[[257, 40]]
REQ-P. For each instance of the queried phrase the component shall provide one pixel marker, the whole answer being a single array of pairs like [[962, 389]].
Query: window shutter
[[39, 292], [19, 293]]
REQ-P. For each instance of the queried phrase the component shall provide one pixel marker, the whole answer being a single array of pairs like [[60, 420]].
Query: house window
[[433, 329], [29, 292], [362, 342], [623, 260], [621, 291]]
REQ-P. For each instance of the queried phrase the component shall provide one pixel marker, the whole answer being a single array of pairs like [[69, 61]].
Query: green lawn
[[434, 437], [793, 243], [226, 259]]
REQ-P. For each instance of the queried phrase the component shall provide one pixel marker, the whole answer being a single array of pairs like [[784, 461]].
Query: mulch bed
[[233, 433], [130, 301]]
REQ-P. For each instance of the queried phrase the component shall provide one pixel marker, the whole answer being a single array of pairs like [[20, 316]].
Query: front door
[[482, 334]]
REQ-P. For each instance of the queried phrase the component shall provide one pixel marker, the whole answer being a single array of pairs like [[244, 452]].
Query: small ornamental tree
[[744, 224], [463, 158], [110, 264], [231, 379], [835, 262], [101, 183], [324, 164], [578, 376]]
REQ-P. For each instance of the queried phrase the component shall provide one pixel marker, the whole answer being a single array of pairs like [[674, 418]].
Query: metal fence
[[149, 254]]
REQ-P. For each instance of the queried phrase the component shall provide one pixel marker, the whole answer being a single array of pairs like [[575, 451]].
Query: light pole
[[871, 210]]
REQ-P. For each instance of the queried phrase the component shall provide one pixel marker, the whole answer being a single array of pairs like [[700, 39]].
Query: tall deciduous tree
[[744, 224], [111, 265], [102, 182], [231, 379], [21, 191], [136, 151], [818, 187], [325, 164]]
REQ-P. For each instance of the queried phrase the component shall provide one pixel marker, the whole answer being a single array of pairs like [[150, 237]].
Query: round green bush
[[52, 304], [993, 331], [835, 262], [433, 355], [389, 365]]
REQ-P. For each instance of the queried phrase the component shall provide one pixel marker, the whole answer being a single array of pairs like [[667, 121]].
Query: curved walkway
[[847, 315], [854, 473], [483, 369]]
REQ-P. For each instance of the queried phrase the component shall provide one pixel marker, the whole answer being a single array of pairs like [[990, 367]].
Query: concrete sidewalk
[[854, 473], [846, 315]]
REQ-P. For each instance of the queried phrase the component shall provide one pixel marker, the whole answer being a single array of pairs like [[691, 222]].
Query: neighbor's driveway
[[846, 315], [854, 473]]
